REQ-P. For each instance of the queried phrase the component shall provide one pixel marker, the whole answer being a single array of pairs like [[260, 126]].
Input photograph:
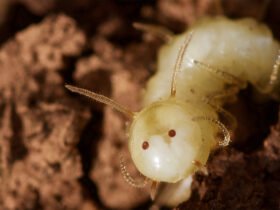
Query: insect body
[[173, 135], [222, 54]]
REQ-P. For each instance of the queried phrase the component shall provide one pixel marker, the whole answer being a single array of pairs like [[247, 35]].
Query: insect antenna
[[101, 99], [274, 74], [128, 178], [178, 63], [159, 31]]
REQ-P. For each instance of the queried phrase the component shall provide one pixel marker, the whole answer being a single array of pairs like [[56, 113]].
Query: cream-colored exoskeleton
[[198, 71]]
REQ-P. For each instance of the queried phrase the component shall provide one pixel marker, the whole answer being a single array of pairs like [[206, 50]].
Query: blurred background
[[59, 151]]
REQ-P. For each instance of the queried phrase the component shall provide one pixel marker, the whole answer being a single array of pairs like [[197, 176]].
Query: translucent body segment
[[173, 194], [243, 48]]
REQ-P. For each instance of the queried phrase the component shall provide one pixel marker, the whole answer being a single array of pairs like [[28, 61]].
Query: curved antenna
[[101, 99], [128, 178], [223, 128], [179, 62]]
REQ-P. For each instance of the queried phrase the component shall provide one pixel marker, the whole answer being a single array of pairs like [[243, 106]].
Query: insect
[[198, 71]]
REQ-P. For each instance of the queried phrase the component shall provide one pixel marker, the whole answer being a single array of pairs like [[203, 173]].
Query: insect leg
[[222, 127], [227, 77], [226, 116], [221, 95]]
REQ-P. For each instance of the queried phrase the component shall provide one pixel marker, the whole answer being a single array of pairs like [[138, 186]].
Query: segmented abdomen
[[221, 58]]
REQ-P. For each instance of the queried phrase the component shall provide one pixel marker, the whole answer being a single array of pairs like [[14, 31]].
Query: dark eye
[[145, 145], [171, 133]]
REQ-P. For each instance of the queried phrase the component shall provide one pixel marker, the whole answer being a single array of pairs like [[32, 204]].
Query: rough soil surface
[[59, 151]]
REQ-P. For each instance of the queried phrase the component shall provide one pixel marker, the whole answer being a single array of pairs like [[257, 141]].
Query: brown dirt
[[61, 151]]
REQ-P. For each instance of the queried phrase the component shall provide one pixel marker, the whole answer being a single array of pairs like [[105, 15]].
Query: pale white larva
[[173, 135]]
